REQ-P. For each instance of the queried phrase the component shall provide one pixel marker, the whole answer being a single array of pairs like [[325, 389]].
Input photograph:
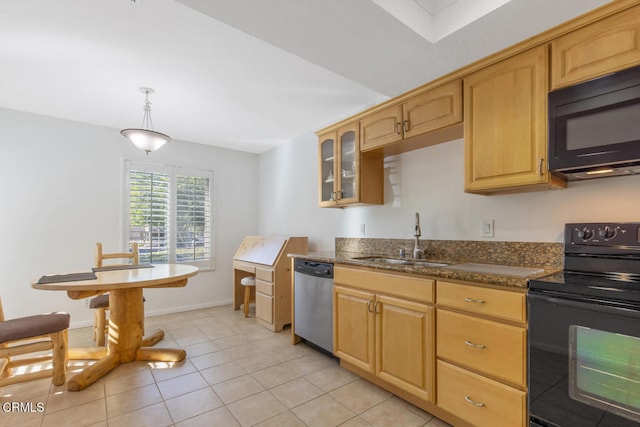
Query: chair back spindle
[[133, 256]]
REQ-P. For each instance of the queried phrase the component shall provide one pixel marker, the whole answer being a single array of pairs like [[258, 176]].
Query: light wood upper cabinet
[[505, 127], [382, 128], [432, 110], [429, 111], [601, 48], [346, 175]]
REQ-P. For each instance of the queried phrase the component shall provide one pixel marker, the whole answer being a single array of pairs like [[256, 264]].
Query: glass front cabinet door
[[348, 176], [327, 169], [339, 166]]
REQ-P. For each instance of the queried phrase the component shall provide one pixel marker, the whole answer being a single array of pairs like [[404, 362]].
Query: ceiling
[[244, 74]]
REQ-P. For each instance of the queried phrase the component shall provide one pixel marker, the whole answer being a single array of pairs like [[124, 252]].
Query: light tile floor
[[237, 373]]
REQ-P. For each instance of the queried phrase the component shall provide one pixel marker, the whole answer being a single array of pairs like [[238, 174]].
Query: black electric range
[[584, 331]]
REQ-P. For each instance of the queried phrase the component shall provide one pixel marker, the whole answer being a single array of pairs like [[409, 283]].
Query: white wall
[[429, 181], [61, 192]]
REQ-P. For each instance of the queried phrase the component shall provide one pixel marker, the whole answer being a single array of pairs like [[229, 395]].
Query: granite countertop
[[456, 270]]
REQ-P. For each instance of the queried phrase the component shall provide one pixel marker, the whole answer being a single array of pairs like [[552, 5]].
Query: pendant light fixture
[[146, 138]]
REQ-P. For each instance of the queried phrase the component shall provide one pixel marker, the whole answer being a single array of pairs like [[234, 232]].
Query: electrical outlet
[[85, 302], [486, 229], [362, 229]]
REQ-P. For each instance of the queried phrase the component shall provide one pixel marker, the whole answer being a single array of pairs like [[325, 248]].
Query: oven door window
[[604, 370], [579, 353]]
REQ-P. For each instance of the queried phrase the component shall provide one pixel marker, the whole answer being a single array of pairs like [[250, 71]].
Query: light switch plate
[[486, 229]]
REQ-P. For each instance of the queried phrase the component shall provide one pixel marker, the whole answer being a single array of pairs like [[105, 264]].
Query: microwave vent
[[600, 173]]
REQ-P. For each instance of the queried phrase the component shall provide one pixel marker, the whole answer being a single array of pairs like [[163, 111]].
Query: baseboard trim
[[160, 312]]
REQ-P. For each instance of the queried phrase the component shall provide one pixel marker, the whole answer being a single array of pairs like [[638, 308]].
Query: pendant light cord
[[146, 119]]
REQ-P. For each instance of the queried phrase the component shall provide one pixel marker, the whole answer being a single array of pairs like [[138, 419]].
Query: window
[[170, 213]]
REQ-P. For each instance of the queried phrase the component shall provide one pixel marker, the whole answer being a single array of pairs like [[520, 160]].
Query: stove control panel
[[607, 237]]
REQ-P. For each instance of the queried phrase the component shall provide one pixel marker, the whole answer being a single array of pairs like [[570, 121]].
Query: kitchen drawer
[[478, 400], [410, 287], [490, 347], [506, 305], [264, 307], [264, 274], [263, 287]]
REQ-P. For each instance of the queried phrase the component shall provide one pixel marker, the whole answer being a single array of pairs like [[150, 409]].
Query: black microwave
[[594, 127]]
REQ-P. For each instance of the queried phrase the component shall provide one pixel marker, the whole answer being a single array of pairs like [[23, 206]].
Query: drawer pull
[[473, 402], [478, 301], [470, 344]]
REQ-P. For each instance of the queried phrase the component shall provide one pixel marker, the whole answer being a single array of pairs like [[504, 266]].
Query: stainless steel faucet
[[417, 252]]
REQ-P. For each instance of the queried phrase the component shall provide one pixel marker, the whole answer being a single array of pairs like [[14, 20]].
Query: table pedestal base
[[104, 365], [126, 343], [153, 339]]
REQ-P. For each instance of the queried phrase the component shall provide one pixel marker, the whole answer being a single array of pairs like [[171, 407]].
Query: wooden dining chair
[[33, 335], [101, 303]]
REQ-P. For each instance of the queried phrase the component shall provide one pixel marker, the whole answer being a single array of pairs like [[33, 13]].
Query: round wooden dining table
[[126, 342]]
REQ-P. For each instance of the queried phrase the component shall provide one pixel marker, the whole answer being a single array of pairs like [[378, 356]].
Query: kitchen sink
[[428, 263], [401, 261]]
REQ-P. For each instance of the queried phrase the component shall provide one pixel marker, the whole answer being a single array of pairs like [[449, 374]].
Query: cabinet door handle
[[375, 307], [477, 301], [470, 344], [369, 306], [540, 167], [473, 402], [398, 128], [406, 126]]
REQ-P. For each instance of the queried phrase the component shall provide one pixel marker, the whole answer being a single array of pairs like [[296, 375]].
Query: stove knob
[[607, 232], [585, 233]]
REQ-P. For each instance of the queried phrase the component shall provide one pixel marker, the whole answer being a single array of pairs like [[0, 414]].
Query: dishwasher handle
[[313, 268]]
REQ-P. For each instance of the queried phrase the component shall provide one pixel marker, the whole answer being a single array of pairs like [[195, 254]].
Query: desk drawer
[[489, 347], [264, 287], [264, 274], [264, 308], [508, 305], [462, 393]]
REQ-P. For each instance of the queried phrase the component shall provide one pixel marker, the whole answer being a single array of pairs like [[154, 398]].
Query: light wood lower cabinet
[[389, 337], [404, 345], [481, 354], [408, 333], [492, 348], [354, 327], [478, 400]]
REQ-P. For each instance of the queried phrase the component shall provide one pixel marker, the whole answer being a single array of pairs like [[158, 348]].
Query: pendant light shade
[[145, 138]]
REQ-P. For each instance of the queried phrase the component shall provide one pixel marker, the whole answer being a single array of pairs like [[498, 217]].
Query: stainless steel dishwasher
[[313, 299]]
